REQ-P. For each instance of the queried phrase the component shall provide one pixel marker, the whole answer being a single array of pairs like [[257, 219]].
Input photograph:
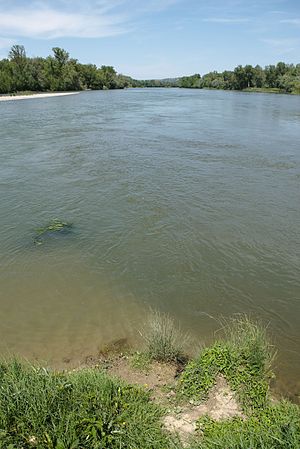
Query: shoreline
[[153, 398], [33, 95]]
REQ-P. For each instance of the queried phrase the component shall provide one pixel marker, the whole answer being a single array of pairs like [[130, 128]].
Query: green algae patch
[[54, 227]]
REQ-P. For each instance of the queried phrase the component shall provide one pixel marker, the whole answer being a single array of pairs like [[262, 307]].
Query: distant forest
[[60, 72]]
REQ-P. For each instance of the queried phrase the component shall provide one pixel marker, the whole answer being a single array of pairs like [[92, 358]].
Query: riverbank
[[152, 399], [35, 95]]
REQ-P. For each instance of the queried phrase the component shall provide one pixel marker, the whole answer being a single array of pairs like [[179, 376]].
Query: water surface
[[183, 200]]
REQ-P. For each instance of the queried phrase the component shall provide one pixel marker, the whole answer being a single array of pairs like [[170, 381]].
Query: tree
[[61, 56], [17, 53]]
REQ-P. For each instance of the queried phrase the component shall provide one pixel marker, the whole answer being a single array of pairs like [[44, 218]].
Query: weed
[[164, 340], [276, 427], [244, 358], [80, 410], [140, 361]]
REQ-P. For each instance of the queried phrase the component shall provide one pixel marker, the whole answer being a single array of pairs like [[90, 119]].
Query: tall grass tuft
[[165, 342], [250, 339]]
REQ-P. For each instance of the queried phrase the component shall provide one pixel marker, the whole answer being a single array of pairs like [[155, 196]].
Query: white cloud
[[66, 18], [226, 20], [291, 21], [50, 23], [282, 46]]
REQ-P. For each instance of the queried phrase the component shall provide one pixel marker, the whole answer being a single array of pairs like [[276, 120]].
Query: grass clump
[[243, 357], [77, 410], [165, 341], [276, 427], [140, 361]]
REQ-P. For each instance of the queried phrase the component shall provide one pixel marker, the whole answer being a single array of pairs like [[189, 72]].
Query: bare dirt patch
[[160, 379], [155, 379], [221, 404]]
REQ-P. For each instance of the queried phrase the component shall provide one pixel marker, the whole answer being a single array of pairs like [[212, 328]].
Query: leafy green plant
[[244, 358], [140, 361], [79, 410], [276, 427]]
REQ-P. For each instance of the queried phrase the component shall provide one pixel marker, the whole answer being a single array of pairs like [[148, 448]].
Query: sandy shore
[[30, 96]]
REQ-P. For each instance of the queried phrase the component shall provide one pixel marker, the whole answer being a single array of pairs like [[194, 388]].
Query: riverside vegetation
[[89, 409], [59, 72]]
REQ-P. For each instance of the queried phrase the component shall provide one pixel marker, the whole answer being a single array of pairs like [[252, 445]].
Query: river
[[181, 200]]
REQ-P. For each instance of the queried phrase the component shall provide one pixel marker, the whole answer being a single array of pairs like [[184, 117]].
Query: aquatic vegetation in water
[[54, 226]]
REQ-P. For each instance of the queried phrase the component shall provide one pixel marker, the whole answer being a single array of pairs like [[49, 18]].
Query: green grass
[[140, 361], [165, 342], [80, 410], [276, 427], [87, 409], [243, 357]]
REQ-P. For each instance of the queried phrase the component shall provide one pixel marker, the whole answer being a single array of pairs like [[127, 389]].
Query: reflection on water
[[183, 200]]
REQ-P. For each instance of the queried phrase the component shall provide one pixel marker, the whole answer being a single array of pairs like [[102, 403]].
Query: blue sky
[[156, 38]]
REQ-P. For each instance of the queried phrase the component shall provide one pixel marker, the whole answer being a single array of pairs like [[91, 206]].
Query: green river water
[[182, 200]]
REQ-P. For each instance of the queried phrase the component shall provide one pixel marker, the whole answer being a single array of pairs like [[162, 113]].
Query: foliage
[[86, 409], [80, 410], [59, 72], [54, 73], [140, 361], [164, 340], [243, 358], [284, 77], [276, 427]]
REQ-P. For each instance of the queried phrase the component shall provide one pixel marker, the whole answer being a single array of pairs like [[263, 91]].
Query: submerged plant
[[54, 226]]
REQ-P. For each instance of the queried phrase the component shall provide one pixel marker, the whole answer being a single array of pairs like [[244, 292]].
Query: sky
[[156, 38]]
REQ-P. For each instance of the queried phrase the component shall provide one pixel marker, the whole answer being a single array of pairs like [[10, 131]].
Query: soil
[[220, 405], [161, 379]]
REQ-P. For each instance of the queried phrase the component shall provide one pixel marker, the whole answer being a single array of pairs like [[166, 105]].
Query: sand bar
[[30, 96]]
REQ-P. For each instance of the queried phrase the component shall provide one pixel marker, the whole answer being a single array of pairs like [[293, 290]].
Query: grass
[[140, 361], [80, 410], [243, 357], [277, 427], [165, 342], [87, 409]]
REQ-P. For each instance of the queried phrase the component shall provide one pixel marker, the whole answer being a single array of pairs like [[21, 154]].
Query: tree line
[[280, 77], [57, 72], [60, 72]]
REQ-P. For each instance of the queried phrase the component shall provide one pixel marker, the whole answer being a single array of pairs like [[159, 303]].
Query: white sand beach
[[31, 96]]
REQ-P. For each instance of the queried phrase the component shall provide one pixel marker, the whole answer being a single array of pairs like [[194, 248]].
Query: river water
[[182, 200]]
